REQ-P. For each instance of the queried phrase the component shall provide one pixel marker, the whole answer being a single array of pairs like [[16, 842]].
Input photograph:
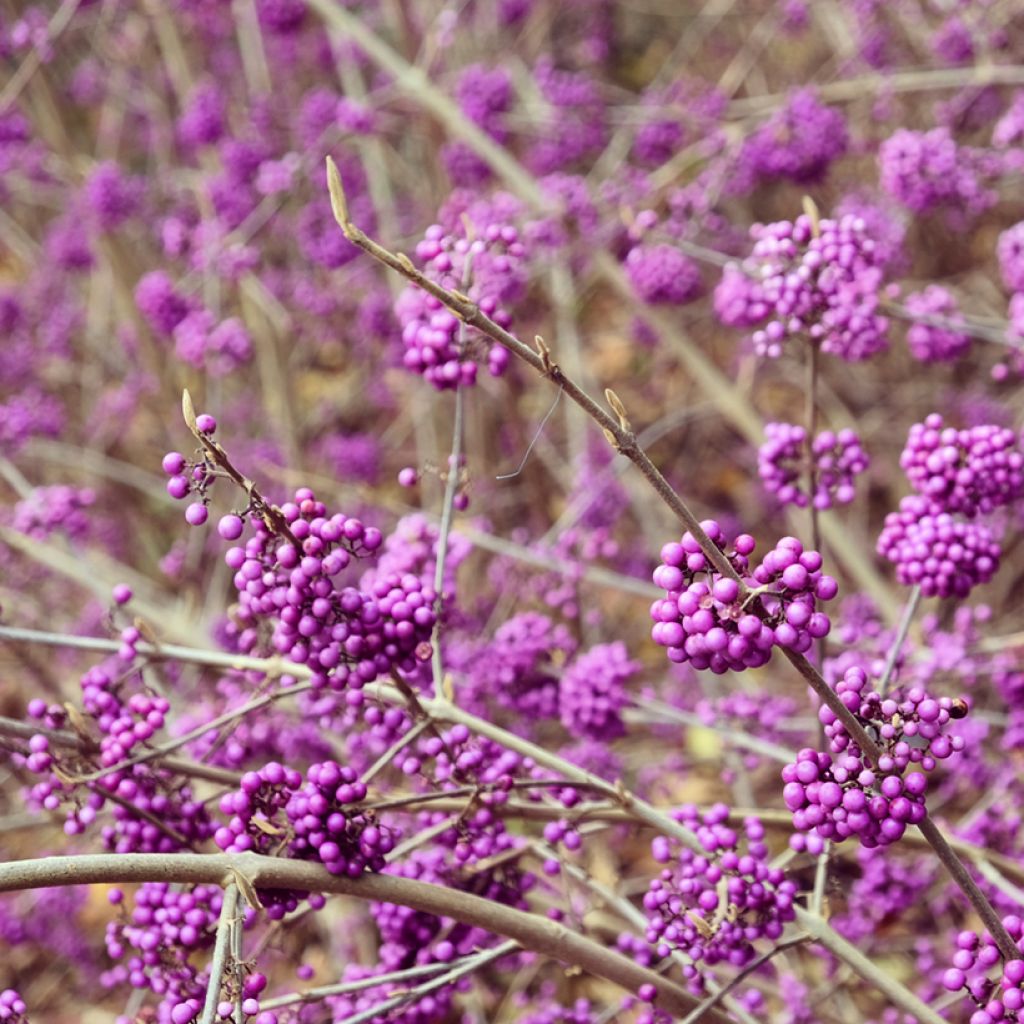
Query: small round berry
[[122, 593], [178, 487], [173, 463], [196, 514], [205, 423], [408, 477], [230, 527]]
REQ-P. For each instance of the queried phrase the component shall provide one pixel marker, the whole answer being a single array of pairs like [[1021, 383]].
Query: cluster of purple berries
[[706, 620], [347, 635], [592, 691], [487, 269], [713, 905], [662, 274], [191, 477], [156, 940], [144, 797], [836, 458], [998, 999], [799, 142], [935, 338], [966, 471], [816, 278], [942, 555], [12, 1008], [48, 509], [926, 171], [839, 794], [275, 810], [1010, 253]]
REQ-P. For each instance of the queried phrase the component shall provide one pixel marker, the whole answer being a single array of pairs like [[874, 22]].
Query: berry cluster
[[704, 620], [12, 1008], [592, 693], [928, 170], [192, 478], [1000, 998], [798, 142], [837, 458], [48, 509], [839, 794], [276, 811], [487, 269], [964, 471], [811, 277], [220, 347], [347, 635], [715, 904], [945, 557], [155, 943], [517, 668], [661, 274], [152, 811], [1010, 252], [934, 338]]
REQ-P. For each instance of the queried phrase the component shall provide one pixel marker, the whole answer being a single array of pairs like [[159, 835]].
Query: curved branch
[[529, 930]]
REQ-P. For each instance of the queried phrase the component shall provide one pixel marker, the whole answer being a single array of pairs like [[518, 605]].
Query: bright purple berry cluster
[[275, 810], [662, 274], [153, 812], [1010, 251], [929, 170], [966, 471], [998, 998], [489, 270], [192, 477], [837, 458], [12, 1008], [944, 556], [156, 941], [798, 142], [815, 278], [219, 347], [704, 620], [839, 794], [934, 338], [715, 904], [592, 691], [347, 635], [48, 509]]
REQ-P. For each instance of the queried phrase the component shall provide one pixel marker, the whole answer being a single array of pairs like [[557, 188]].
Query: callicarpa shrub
[[511, 512]]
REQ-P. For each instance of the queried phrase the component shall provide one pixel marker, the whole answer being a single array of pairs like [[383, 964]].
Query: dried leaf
[[246, 889]]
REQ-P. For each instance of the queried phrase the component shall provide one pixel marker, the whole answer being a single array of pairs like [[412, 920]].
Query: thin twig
[[909, 611], [474, 963], [712, 1001], [451, 487], [218, 962], [345, 988]]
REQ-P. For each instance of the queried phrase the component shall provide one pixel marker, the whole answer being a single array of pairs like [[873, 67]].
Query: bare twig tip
[[811, 210], [188, 410], [617, 407], [339, 205]]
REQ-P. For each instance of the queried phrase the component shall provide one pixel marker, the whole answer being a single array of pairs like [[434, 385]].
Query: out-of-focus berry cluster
[[484, 266], [833, 462]]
